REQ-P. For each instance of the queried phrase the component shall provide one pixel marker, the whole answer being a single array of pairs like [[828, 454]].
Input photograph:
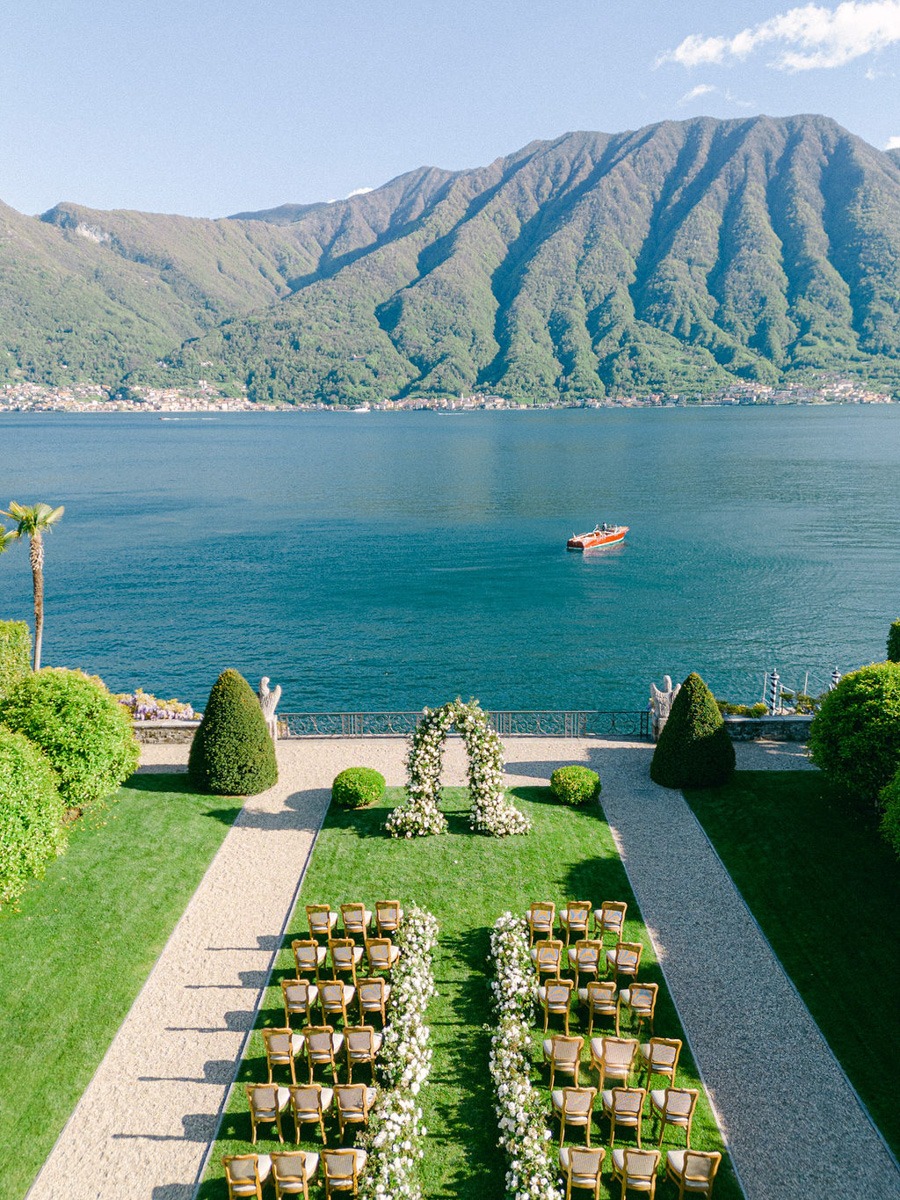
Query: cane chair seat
[[342, 1169], [388, 915], [356, 920], [610, 918], [309, 1104], [564, 1055], [613, 1058], [541, 918], [245, 1174], [354, 1100], [323, 1046], [575, 918], [382, 954], [372, 995], [625, 959], [299, 997], [636, 1169], [321, 920], [574, 1106], [581, 1168], [674, 1106], [547, 957], [584, 957], [554, 997], [660, 1056], [345, 956], [282, 1047], [639, 1001], [693, 1171], [292, 1172], [266, 1101], [624, 1106], [361, 1044], [600, 998], [308, 956], [334, 997]]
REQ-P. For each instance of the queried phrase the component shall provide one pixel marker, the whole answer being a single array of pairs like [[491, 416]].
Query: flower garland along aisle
[[524, 1134], [491, 812], [395, 1124]]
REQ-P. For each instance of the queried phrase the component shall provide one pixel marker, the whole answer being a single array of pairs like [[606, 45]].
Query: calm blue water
[[391, 561]]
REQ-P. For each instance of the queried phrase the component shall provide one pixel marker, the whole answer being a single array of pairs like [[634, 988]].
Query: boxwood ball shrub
[[855, 737], [890, 820], [81, 728], [232, 753], [31, 814], [575, 784], [357, 787], [15, 653], [694, 749], [893, 643]]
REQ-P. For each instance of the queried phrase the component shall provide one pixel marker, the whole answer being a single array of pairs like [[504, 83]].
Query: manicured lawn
[[826, 890], [467, 881], [77, 952]]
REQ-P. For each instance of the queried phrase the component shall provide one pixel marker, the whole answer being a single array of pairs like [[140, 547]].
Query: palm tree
[[32, 521], [7, 537]]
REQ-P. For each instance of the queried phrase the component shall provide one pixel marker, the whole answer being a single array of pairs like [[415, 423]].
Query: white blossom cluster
[[491, 812], [524, 1135], [395, 1124]]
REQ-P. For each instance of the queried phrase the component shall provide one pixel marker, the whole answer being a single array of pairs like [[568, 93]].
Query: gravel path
[[142, 1129]]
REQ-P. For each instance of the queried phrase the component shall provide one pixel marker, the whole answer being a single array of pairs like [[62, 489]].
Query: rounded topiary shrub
[[575, 784], [694, 749], [82, 729], [855, 737], [890, 820], [357, 787], [232, 753], [893, 643], [31, 814]]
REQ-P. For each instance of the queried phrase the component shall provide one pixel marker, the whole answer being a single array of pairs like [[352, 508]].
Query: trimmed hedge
[[893, 643], [575, 784], [15, 654], [855, 738], [82, 729], [357, 787], [232, 753], [694, 749], [31, 814], [890, 821]]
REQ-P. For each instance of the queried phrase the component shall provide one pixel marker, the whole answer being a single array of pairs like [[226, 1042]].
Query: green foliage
[[31, 814], [81, 728], [357, 787], [232, 753], [855, 738], [15, 653], [575, 784], [893, 642], [889, 798], [694, 749]]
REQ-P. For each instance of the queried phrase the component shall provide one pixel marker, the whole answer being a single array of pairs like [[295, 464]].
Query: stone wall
[[770, 729], [165, 731]]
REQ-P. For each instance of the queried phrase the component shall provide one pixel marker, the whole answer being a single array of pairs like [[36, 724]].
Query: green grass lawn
[[467, 881], [76, 953], [826, 890]]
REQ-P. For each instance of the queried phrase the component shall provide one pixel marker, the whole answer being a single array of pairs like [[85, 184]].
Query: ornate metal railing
[[574, 723]]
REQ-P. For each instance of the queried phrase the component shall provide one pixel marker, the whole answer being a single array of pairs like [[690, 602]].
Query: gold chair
[[636, 1170], [334, 996], [660, 1056], [245, 1174], [574, 1106], [372, 996], [584, 958], [345, 956], [353, 1103], [693, 1171], [674, 1106], [613, 1058], [575, 918], [624, 1106], [581, 1169], [541, 919], [299, 997], [292, 1172], [554, 996], [267, 1102], [610, 918], [639, 1001], [362, 1045], [309, 1103], [322, 1047], [564, 1055], [282, 1047], [321, 920], [342, 1169], [382, 953], [600, 998], [625, 959], [388, 915], [547, 957], [308, 955], [356, 920]]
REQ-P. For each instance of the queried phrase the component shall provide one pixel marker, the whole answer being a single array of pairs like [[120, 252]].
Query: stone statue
[[661, 703], [268, 702]]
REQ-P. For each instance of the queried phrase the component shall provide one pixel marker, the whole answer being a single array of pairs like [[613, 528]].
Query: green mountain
[[675, 258]]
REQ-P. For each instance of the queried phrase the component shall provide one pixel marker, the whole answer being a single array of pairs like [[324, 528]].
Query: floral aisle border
[[524, 1134], [395, 1125], [491, 812]]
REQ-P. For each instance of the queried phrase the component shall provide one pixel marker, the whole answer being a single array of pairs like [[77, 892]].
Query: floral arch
[[491, 812]]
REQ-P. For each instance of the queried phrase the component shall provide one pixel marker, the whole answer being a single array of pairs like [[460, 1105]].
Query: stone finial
[[268, 702], [661, 703]]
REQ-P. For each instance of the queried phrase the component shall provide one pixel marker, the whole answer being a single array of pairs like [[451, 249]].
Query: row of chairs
[[355, 918], [587, 957], [308, 1103], [345, 955], [692, 1171], [322, 1046], [292, 1172], [575, 918], [333, 998], [601, 998], [613, 1057]]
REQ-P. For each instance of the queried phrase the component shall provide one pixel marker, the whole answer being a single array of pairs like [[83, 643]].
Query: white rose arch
[[491, 812]]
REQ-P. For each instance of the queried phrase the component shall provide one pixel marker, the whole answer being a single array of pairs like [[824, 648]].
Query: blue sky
[[206, 108]]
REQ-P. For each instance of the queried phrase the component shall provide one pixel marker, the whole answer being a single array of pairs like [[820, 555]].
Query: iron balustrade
[[573, 723]]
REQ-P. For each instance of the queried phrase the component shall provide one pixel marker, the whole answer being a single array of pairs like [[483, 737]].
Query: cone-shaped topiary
[[694, 749], [232, 753]]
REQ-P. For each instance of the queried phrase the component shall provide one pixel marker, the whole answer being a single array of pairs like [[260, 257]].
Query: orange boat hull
[[590, 541]]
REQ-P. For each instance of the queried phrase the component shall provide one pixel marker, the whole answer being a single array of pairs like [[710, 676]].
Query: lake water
[[387, 561]]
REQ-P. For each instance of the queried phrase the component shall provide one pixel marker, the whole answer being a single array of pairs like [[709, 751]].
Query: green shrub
[[81, 728], [694, 749], [890, 821], [855, 737], [357, 787], [15, 653], [232, 753], [893, 642], [31, 814], [575, 784], [758, 710]]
